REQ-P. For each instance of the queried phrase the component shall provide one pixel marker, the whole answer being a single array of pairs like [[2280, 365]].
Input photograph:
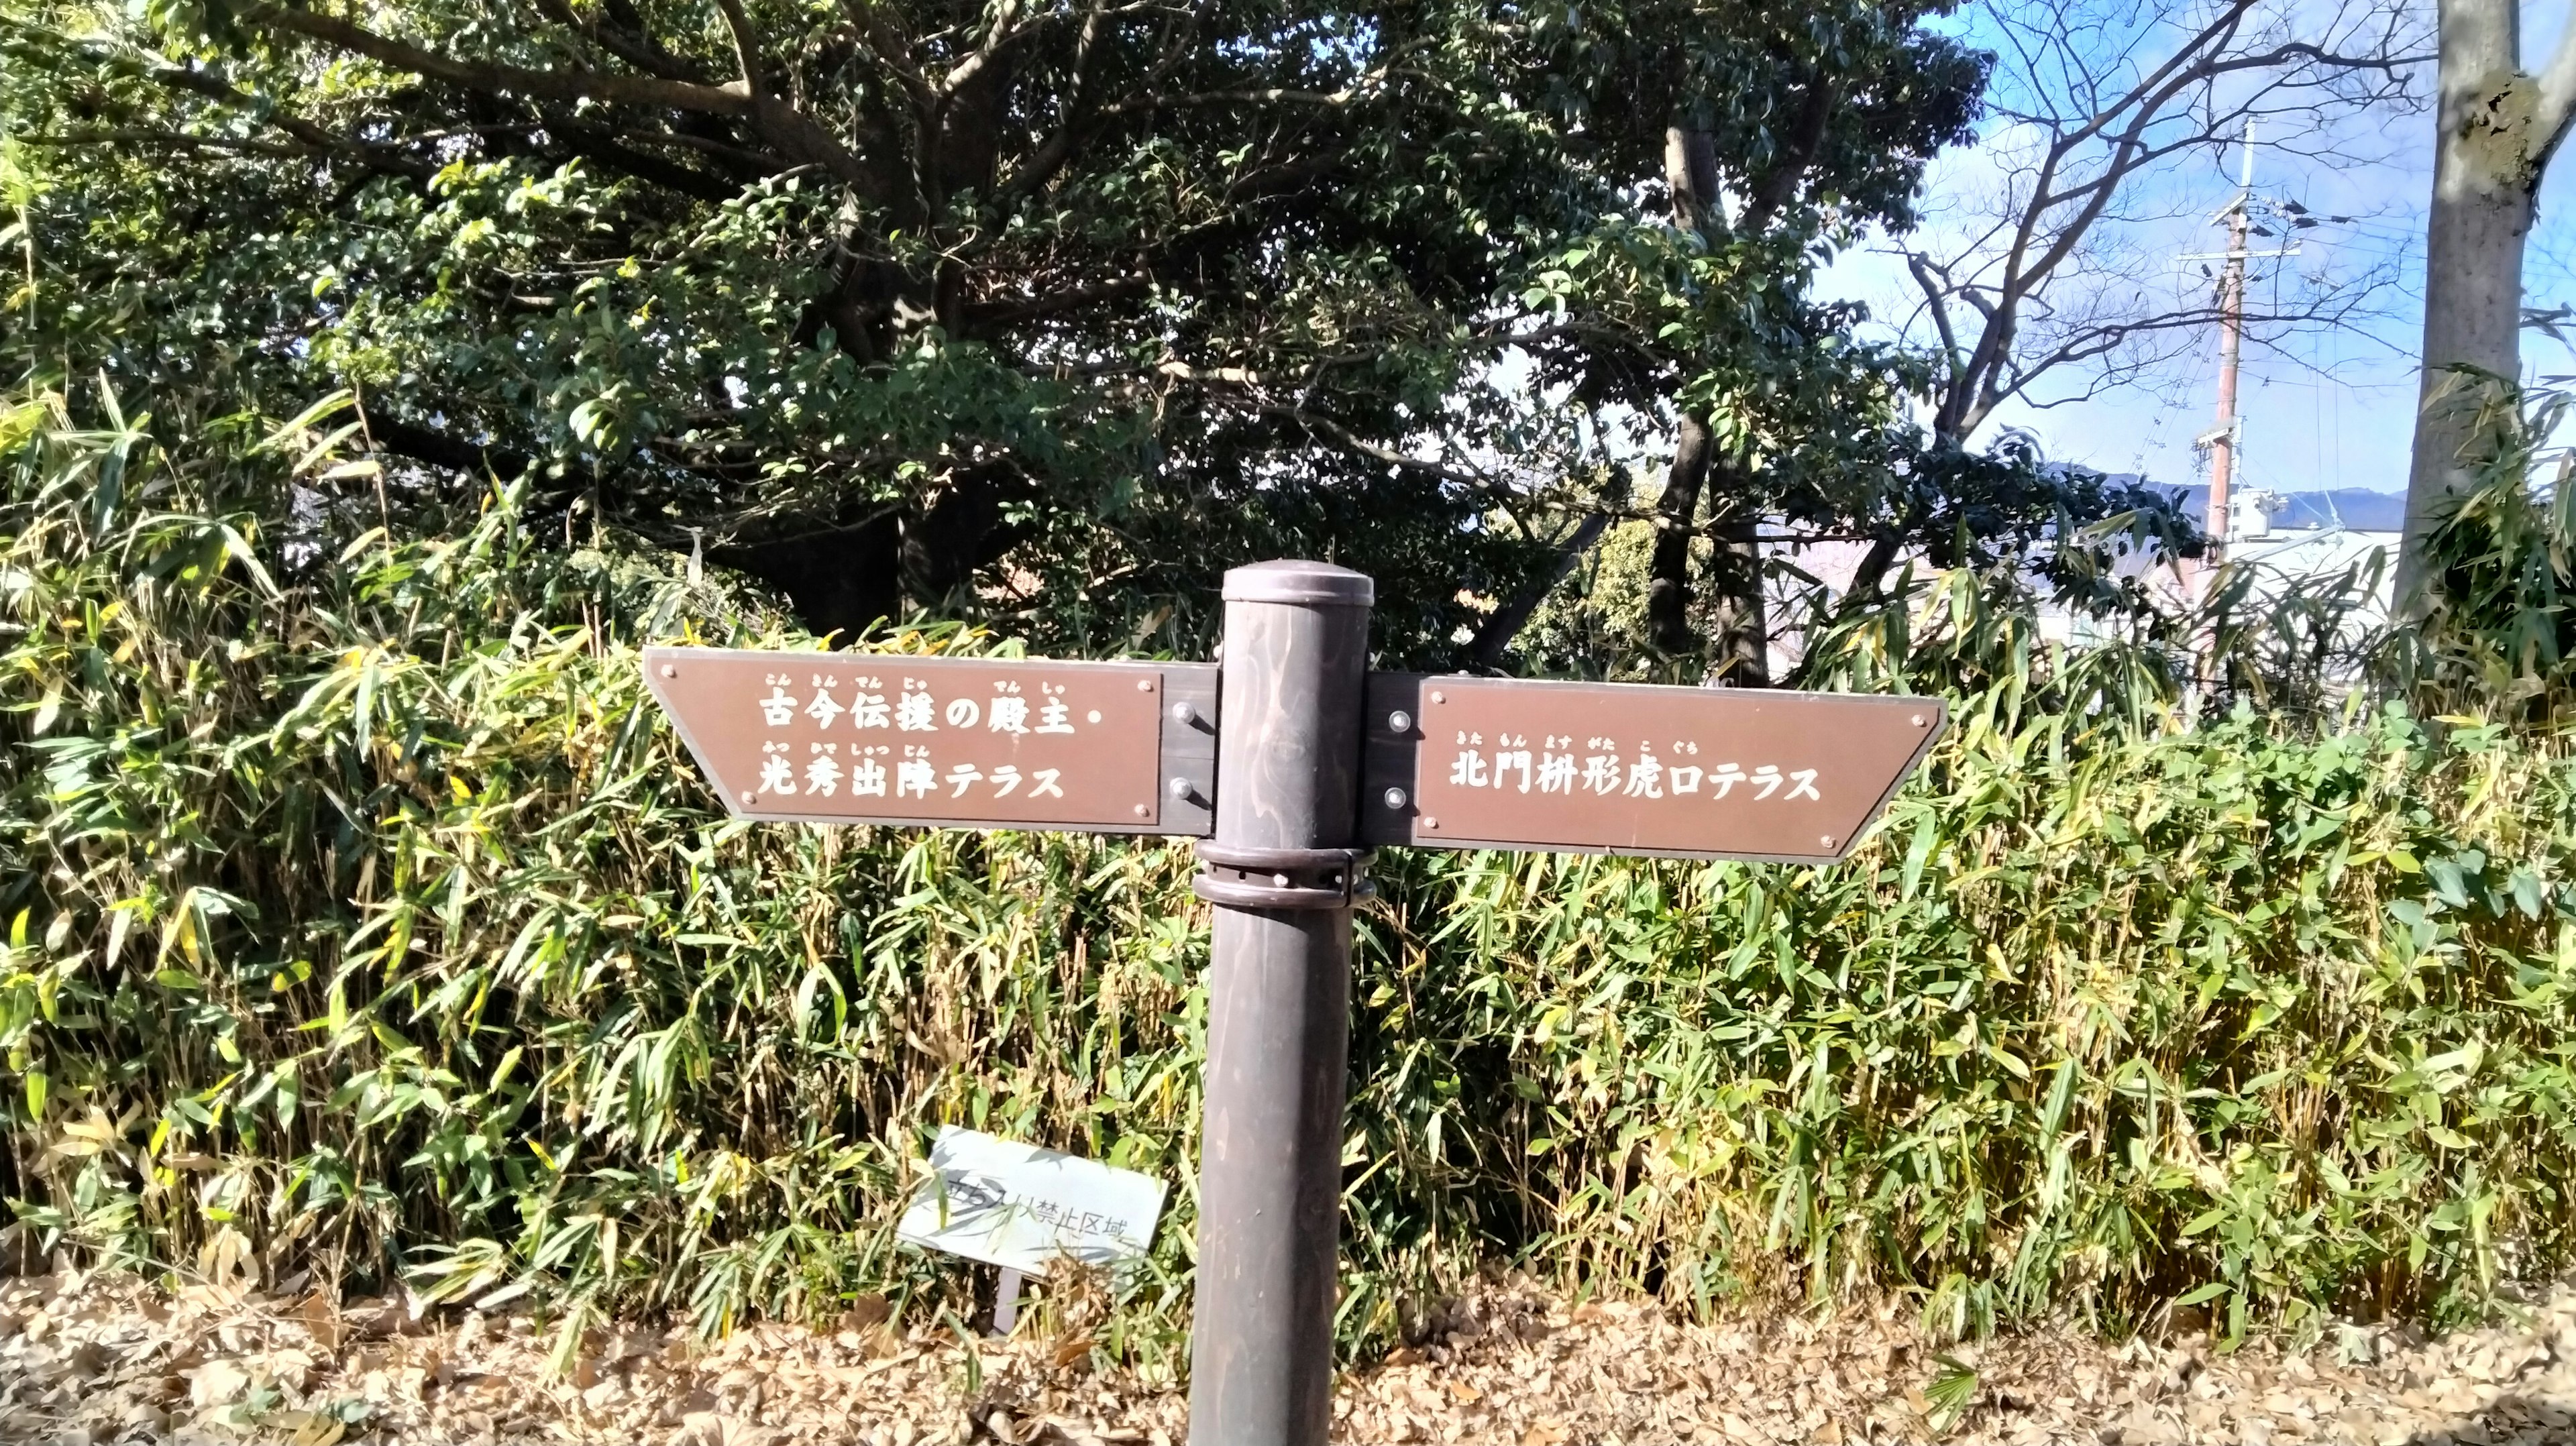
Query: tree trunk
[[1493, 641], [1743, 633], [1743, 624], [2486, 171], [1690, 175], [1668, 592], [1735, 576], [840, 579], [1871, 573]]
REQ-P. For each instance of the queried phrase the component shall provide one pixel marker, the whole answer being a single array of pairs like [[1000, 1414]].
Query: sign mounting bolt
[[748, 796], [1399, 721], [1144, 810], [1429, 822], [1184, 713], [1827, 840], [1144, 685], [1178, 788], [1918, 720], [670, 672], [1439, 697], [1395, 798]]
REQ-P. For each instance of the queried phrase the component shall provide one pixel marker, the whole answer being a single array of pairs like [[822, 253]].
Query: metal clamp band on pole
[[1283, 872], [1277, 878]]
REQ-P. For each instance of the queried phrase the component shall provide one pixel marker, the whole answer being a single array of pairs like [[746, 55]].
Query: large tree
[[1043, 309], [1768, 411], [2496, 128]]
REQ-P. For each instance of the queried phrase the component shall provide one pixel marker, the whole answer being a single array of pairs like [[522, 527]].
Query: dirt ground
[[102, 1361]]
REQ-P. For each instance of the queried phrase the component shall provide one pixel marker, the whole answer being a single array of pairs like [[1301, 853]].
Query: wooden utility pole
[[2222, 439], [2231, 345], [2226, 440]]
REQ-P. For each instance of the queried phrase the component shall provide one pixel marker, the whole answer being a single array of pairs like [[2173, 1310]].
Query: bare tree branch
[[1923, 268], [791, 130], [637, 48], [1814, 115], [746, 50], [2096, 99], [2555, 105], [563, 85], [999, 34], [215, 87]]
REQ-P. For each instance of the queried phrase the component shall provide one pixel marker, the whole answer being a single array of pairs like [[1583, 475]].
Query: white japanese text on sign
[[860, 736]]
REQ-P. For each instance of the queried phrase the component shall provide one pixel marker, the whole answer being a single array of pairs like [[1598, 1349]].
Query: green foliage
[[2496, 630], [1038, 313], [2007, 534], [362, 914]]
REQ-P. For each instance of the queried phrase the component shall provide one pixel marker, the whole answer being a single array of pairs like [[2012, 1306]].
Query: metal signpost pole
[[1283, 875]]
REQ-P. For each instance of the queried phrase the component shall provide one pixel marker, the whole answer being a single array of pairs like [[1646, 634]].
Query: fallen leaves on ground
[[91, 1361]]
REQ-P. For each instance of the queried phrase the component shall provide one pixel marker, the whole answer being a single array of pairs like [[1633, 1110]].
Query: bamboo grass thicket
[[363, 917]]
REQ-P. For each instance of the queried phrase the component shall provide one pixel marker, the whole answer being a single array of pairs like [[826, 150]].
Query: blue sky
[[2322, 408]]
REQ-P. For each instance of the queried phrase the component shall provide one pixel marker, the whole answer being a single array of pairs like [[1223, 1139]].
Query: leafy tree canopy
[[1042, 311]]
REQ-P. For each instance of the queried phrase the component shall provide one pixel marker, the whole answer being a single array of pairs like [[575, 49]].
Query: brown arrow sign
[[954, 742], [1627, 768]]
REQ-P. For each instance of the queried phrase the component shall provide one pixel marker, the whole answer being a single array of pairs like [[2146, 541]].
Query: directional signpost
[[1317, 761]]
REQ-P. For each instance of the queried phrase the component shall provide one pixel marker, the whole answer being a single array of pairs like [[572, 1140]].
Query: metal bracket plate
[[1276, 878]]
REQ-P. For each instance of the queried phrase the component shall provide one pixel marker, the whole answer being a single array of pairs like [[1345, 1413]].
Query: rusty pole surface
[[1283, 871]]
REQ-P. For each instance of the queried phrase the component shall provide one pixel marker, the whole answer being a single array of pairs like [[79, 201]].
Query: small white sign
[[1023, 1208]]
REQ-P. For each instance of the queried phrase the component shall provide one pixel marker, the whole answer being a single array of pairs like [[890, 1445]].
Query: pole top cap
[[1300, 582]]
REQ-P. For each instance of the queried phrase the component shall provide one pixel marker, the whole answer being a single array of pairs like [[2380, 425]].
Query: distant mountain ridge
[[2354, 508]]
